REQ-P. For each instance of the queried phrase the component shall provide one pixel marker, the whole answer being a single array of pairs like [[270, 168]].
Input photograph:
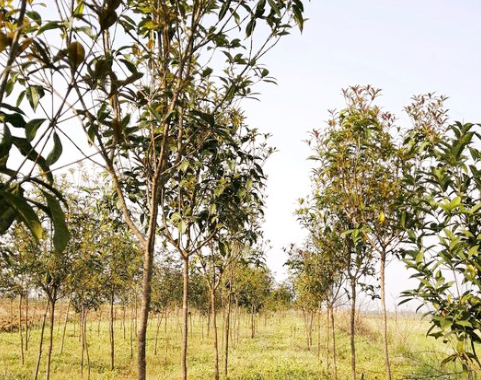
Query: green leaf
[[49, 25], [250, 27], [56, 152], [223, 9], [32, 127], [182, 227], [11, 108], [61, 235], [15, 120], [212, 209], [274, 7], [22, 211], [5, 146], [34, 94], [35, 16], [464, 323]]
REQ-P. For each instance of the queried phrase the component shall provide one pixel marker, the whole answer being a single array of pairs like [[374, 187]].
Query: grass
[[278, 351]]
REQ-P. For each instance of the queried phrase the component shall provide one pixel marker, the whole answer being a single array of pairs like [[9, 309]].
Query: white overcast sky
[[404, 47]]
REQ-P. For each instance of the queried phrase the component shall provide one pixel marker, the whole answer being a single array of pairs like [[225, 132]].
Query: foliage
[[444, 244]]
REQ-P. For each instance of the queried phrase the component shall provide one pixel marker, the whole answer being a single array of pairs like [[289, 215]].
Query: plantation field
[[277, 351]]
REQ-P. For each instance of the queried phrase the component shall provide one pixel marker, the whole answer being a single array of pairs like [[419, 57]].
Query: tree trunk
[[99, 321], [208, 322], [214, 327], [253, 327], [384, 316], [227, 328], [185, 315], [41, 340], [85, 347], [20, 328], [131, 334], [328, 338], [334, 350], [50, 346], [65, 326], [159, 323], [124, 322], [319, 333], [146, 291], [27, 330], [112, 330], [353, 327]]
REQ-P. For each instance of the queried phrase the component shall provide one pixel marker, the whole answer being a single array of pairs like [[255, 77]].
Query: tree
[[359, 176], [153, 81], [320, 267], [444, 242]]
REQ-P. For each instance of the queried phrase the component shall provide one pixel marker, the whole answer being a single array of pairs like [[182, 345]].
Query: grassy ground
[[279, 351]]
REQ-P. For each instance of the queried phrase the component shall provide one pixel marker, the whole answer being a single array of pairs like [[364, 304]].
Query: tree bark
[[157, 331], [214, 326], [185, 315], [112, 330], [253, 323], [144, 310], [227, 328], [20, 328], [65, 326], [27, 330], [50, 346], [384, 315], [328, 338], [334, 349], [353, 327], [40, 346]]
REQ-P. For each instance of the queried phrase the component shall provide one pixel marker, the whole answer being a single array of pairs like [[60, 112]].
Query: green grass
[[278, 351]]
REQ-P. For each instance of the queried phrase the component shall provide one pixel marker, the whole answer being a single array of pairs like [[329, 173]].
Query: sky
[[405, 48]]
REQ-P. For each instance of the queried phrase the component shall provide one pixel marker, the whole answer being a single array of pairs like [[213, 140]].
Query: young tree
[[359, 176], [446, 210]]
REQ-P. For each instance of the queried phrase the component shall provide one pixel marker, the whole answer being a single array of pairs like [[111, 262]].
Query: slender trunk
[[27, 330], [384, 316], [238, 321], [319, 333], [208, 323], [65, 326], [81, 339], [41, 339], [185, 314], [112, 330], [352, 327], [124, 318], [144, 310], [20, 328], [99, 321], [253, 323], [334, 350], [159, 322], [131, 334], [328, 337], [84, 341], [311, 321], [227, 328], [136, 314], [214, 326], [50, 345]]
